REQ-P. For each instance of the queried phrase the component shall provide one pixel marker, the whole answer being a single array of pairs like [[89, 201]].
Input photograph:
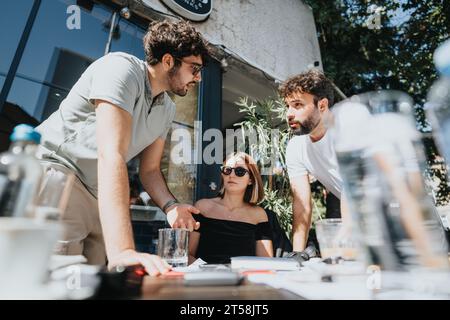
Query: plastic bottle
[[438, 106], [20, 173]]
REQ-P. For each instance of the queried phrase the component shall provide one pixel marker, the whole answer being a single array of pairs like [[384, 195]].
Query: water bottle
[[20, 173], [381, 158], [438, 106]]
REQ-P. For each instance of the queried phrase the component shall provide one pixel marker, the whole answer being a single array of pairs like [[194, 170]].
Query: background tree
[[371, 45]]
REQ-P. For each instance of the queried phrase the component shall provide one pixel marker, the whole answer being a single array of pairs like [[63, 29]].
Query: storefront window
[[56, 55], [10, 33], [128, 38], [181, 178]]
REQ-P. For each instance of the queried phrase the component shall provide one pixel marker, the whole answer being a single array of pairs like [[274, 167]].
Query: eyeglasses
[[238, 171], [196, 67]]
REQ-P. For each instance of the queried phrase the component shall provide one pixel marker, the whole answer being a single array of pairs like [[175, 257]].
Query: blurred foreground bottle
[[27, 238], [438, 106], [20, 173], [381, 159]]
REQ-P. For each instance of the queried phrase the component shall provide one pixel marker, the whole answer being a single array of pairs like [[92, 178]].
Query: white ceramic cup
[[25, 249]]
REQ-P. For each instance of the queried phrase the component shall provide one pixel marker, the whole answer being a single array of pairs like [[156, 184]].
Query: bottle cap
[[24, 132]]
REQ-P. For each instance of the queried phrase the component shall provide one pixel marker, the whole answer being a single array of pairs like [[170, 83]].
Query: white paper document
[[264, 263]]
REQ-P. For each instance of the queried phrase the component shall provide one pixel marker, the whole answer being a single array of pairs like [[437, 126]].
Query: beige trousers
[[82, 228]]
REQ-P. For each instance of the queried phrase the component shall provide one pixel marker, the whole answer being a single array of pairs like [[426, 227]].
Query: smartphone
[[212, 278]]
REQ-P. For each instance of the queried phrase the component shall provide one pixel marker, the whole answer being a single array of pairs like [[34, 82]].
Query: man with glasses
[[117, 110], [196, 68]]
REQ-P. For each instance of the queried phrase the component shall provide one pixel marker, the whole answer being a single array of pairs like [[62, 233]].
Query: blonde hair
[[255, 192]]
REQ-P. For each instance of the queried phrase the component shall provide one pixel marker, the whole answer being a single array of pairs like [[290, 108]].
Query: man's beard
[[175, 86], [307, 126]]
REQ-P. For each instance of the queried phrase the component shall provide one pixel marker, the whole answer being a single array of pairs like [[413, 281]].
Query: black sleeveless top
[[222, 239]]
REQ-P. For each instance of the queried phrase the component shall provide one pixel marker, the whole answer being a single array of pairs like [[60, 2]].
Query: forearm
[[155, 185], [178, 215], [264, 248], [300, 225], [113, 201], [191, 259]]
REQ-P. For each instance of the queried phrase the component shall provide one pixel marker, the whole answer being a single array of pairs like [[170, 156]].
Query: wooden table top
[[160, 288]]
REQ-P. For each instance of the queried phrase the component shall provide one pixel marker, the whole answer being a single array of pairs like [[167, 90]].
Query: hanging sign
[[195, 10]]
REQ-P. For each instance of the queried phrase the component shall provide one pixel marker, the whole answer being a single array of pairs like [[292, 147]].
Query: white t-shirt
[[316, 158]]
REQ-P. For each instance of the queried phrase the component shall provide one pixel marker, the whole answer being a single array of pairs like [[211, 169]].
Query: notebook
[[264, 263]]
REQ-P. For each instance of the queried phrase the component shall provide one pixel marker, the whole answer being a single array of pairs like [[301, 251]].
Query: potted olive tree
[[265, 120]]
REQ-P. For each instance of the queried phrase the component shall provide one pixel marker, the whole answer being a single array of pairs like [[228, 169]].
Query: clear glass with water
[[55, 191], [334, 241], [173, 246]]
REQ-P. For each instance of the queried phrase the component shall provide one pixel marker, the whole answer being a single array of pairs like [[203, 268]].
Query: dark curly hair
[[179, 39], [313, 82]]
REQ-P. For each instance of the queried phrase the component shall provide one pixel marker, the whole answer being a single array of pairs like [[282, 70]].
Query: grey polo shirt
[[69, 134]]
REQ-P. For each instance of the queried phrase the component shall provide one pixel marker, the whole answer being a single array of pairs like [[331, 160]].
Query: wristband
[[168, 204]]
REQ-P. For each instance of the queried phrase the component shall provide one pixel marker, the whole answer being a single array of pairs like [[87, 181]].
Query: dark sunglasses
[[196, 68], [238, 171]]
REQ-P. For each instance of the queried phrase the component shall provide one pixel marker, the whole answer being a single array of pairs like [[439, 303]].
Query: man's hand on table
[[302, 256], [153, 264], [180, 216]]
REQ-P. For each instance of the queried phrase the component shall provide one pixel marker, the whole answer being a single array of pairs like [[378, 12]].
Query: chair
[[281, 243]]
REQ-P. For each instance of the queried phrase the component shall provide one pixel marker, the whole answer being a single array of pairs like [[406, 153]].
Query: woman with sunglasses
[[232, 224]]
